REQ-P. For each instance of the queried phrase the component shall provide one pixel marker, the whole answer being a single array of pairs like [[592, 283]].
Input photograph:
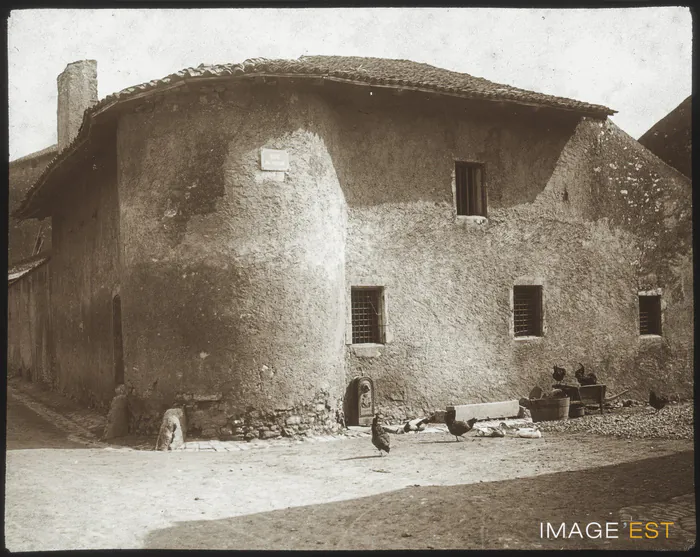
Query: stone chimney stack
[[77, 91]]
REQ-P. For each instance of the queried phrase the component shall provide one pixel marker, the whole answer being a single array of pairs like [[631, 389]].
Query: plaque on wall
[[274, 159]]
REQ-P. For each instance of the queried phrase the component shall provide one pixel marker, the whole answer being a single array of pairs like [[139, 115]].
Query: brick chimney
[[77, 91]]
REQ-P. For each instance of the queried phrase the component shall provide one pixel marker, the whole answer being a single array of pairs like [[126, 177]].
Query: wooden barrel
[[549, 409]]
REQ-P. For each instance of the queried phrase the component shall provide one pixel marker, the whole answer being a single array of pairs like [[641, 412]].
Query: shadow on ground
[[494, 515]]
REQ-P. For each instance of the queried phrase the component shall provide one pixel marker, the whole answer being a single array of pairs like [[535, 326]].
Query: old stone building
[[249, 238]]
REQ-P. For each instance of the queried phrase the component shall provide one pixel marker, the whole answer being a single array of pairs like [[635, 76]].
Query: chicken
[[656, 401], [418, 424], [583, 378], [380, 438], [492, 431], [458, 428], [559, 373]]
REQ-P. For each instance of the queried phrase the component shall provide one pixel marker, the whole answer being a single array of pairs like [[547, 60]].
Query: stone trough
[[486, 410]]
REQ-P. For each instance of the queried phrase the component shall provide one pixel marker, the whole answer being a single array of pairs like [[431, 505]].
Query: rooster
[[458, 428], [559, 373], [657, 402], [583, 378], [380, 438], [418, 424]]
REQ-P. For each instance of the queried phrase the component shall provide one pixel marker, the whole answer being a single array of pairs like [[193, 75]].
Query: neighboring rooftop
[[48, 151], [671, 138], [379, 72]]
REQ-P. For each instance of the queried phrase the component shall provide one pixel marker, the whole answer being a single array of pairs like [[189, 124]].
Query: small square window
[[367, 318], [527, 311], [649, 315], [470, 190]]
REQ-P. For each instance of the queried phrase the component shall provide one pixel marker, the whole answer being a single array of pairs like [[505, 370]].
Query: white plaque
[[274, 159]]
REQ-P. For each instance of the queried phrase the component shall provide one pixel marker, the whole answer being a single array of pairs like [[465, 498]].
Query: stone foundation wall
[[211, 417]]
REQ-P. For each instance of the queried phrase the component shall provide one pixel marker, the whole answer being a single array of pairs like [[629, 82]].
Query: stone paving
[[77, 431], [679, 510]]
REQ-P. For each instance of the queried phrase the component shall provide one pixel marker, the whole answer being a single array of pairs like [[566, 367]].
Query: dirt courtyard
[[430, 492]]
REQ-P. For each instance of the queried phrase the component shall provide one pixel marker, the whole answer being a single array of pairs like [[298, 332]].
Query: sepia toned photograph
[[350, 279]]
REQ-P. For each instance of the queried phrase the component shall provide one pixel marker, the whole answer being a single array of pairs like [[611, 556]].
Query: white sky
[[634, 60]]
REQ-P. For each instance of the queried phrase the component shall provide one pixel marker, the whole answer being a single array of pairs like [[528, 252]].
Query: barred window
[[470, 191], [527, 311], [366, 315], [649, 315]]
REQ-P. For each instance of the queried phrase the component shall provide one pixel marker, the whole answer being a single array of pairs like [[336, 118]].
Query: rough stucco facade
[[84, 278], [449, 306], [235, 282]]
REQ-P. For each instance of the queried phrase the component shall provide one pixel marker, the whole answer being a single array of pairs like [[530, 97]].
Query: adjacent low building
[[26, 238], [247, 239]]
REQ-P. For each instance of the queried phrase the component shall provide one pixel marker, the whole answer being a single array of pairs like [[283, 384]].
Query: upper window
[[367, 315], [649, 315], [470, 191], [527, 311]]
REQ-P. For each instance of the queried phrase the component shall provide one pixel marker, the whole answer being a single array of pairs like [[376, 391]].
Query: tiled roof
[[671, 139], [18, 270], [348, 69]]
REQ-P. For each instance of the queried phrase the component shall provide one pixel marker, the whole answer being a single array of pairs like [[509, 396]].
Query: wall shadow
[[492, 515]]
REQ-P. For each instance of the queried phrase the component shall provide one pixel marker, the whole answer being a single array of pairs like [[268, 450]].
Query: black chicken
[[380, 438], [416, 425], [458, 428], [585, 378], [656, 401], [559, 373]]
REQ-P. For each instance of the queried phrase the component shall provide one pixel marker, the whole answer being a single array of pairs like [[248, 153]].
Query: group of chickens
[[381, 440], [655, 401], [580, 374]]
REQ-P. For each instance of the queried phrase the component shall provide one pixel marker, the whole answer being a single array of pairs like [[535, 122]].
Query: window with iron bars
[[470, 191], [527, 311], [649, 315], [367, 319]]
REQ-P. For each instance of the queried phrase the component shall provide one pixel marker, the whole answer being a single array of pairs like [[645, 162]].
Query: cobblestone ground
[[679, 510]]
